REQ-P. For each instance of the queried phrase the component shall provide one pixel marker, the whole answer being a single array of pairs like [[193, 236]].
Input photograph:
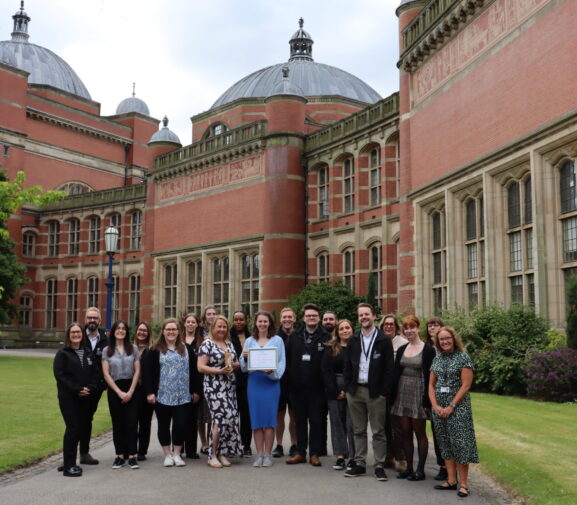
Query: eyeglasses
[[312, 315], [388, 324], [171, 329]]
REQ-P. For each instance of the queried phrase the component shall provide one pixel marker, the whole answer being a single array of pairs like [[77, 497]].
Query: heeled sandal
[[461, 494], [445, 486]]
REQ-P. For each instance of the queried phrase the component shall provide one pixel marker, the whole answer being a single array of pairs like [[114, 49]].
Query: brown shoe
[[296, 459], [315, 461]]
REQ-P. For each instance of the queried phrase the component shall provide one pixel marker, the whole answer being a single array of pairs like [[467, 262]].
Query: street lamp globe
[[111, 239]]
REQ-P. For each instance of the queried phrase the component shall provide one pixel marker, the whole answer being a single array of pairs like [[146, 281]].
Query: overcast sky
[[183, 54]]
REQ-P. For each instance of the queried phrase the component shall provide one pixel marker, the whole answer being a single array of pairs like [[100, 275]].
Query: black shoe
[[118, 463], [380, 473], [73, 471], [355, 471], [447, 487], [247, 453], [405, 474], [442, 475], [418, 475], [60, 468], [292, 450], [460, 493], [132, 463], [192, 455], [87, 459], [278, 452], [339, 464], [141, 457], [350, 463]]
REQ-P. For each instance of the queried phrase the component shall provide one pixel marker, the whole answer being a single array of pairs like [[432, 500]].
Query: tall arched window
[[53, 238], [323, 192], [25, 310], [73, 236], [348, 186], [136, 230], [92, 292], [94, 234], [28, 244], [349, 268], [133, 299], [323, 267], [375, 176]]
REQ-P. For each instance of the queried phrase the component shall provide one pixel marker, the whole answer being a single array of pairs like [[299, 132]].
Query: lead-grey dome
[[44, 66], [164, 134], [132, 104], [314, 79]]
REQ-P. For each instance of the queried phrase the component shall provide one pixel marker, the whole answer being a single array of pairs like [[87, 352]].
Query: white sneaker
[[168, 460], [178, 461], [258, 461], [267, 460]]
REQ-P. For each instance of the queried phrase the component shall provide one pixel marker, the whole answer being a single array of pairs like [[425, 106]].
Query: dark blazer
[[305, 374], [198, 377], [71, 375], [150, 369], [428, 357], [241, 377], [330, 366], [97, 352], [381, 365]]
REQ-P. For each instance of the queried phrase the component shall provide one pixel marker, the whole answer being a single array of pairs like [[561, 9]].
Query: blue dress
[[264, 389]]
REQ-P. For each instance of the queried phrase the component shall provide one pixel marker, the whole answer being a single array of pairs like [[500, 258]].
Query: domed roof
[[43, 65], [164, 134], [314, 79], [132, 104], [285, 87]]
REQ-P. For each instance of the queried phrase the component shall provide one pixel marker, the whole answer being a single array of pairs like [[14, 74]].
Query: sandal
[[204, 449], [445, 486], [214, 463], [461, 494]]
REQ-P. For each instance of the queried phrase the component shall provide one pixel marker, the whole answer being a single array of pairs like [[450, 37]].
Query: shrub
[[552, 375], [571, 295], [556, 339]]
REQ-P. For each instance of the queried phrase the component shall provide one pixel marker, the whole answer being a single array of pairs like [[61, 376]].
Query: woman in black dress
[[193, 339], [143, 341]]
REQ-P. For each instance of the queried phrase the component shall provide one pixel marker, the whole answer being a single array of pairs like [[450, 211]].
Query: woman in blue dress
[[263, 386]]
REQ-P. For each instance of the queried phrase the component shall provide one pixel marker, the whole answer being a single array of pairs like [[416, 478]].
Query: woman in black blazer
[[77, 378], [410, 393]]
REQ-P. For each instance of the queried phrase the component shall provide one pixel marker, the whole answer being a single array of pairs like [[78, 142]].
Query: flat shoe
[[416, 476], [214, 463], [404, 474], [223, 460], [461, 494], [447, 487]]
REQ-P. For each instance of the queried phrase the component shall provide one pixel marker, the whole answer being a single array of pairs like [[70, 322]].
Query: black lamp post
[[111, 242]]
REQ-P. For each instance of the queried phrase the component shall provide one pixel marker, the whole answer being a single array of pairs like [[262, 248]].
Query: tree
[[571, 291], [12, 273], [334, 296]]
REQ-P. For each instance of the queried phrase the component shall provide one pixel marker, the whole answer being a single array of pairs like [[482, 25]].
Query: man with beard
[[288, 319], [368, 376], [330, 322], [94, 339]]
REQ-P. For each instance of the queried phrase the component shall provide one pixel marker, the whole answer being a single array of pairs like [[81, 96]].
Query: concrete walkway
[[42, 484]]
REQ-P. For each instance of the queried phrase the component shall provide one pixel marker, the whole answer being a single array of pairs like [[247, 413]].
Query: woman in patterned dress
[[412, 365], [220, 393], [451, 379]]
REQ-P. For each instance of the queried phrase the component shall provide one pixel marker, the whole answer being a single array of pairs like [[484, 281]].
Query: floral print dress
[[220, 394]]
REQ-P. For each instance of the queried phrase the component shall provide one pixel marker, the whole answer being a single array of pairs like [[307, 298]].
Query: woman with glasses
[[143, 341]]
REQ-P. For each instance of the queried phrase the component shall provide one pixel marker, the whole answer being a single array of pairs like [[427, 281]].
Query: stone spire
[[21, 20], [301, 44]]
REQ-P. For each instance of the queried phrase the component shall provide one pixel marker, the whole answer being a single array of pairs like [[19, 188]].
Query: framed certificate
[[264, 358]]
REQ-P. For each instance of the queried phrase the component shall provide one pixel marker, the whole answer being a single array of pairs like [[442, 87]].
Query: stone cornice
[[433, 27], [77, 127]]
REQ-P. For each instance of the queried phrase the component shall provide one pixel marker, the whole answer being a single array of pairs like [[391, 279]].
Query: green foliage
[[499, 341], [555, 339], [571, 293], [333, 296]]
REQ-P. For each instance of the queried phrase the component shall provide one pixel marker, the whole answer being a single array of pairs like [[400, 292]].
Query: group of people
[[198, 378]]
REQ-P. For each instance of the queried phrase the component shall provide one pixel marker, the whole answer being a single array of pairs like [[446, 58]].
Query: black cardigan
[[428, 357], [71, 375], [330, 366], [150, 369]]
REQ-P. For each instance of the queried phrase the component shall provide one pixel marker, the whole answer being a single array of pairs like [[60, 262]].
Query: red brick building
[[458, 190]]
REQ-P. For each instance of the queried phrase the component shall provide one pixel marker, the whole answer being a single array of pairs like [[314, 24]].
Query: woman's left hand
[[235, 365], [195, 397]]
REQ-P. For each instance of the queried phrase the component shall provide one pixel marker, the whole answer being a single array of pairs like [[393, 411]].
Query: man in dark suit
[[368, 378]]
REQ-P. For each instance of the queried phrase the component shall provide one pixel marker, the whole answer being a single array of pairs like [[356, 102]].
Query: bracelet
[[453, 405]]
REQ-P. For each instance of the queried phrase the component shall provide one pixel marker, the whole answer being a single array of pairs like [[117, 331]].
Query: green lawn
[[32, 426], [529, 447]]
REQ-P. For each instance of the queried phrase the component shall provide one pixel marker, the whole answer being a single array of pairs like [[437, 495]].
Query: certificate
[[264, 358]]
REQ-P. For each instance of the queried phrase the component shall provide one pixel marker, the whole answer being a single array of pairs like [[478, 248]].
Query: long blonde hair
[[211, 332]]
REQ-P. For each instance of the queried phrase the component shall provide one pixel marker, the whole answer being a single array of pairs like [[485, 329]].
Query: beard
[[92, 326]]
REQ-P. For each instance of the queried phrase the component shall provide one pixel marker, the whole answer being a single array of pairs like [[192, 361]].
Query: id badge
[[364, 367], [306, 357], [445, 389]]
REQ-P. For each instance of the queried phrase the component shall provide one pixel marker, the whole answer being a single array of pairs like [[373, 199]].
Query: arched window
[[348, 186], [53, 238], [323, 267], [375, 176], [249, 284], [75, 188], [73, 236], [136, 230], [349, 269], [323, 192]]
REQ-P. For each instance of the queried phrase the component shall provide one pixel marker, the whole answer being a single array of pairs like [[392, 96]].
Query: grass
[[32, 426], [529, 447]]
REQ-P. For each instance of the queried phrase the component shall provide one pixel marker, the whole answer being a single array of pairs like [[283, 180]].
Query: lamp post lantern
[[111, 242]]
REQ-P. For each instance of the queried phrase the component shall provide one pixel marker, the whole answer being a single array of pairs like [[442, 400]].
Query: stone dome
[[164, 134], [132, 104], [44, 66], [314, 79]]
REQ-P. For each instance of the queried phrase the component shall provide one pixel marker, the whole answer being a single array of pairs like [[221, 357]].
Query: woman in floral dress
[[449, 384], [217, 360]]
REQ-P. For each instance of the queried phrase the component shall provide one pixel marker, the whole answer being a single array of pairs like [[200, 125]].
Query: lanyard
[[367, 351]]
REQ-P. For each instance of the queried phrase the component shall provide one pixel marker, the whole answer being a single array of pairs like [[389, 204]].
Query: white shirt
[[366, 348]]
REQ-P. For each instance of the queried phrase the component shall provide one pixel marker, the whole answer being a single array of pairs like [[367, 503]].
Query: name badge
[[306, 357], [376, 355], [364, 367], [445, 389]]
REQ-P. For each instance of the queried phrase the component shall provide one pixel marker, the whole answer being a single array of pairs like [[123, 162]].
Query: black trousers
[[75, 413], [307, 406], [145, 411], [124, 420], [244, 414], [178, 415], [86, 428], [191, 435]]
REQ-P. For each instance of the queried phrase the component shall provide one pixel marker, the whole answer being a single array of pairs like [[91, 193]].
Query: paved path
[[42, 484]]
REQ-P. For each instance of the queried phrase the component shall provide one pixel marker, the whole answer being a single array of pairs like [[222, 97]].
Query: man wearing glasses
[[304, 351]]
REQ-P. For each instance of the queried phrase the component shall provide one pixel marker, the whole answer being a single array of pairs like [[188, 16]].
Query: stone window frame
[[94, 226], [474, 250], [92, 290], [376, 246], [26, 309], [348, 265], [136, 229], [322, 265], [439, 268], [74, 236], [194, 286], [348, 188], [53, 238], [374, 174], [323, 186], [29, 244], [71, 300], [169, 276], [51, 310], [222, 285]]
